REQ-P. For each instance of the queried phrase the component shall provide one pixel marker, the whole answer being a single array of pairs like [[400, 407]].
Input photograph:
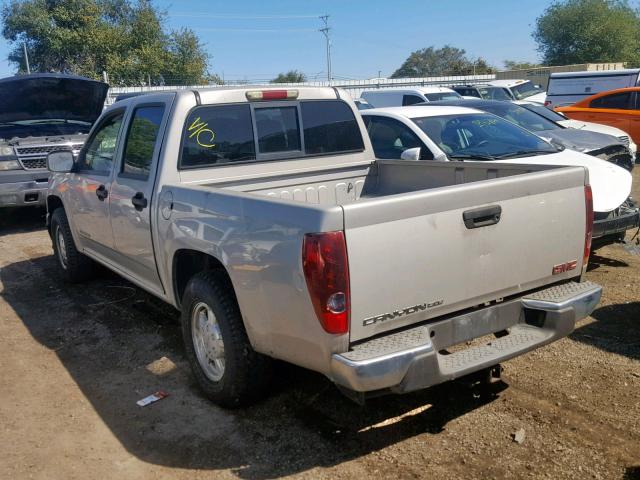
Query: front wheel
[[225, 365], [75, 266]]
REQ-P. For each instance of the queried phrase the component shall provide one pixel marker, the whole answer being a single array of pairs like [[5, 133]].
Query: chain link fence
[[353, 87]]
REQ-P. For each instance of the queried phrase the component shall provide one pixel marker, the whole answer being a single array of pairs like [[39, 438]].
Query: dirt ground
[[75, 359]]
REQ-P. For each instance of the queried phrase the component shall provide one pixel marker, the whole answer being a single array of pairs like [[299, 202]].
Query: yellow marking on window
[[198, 127]]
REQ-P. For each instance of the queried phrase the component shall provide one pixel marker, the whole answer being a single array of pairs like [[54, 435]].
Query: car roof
[[478, 103], [428, 89], [507, 83], [475, 85], [421, 111]]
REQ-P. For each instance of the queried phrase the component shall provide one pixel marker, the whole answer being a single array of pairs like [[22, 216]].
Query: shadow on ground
[[596, 261], [616, 329], [25, 219], [108, 334], [632, 473]]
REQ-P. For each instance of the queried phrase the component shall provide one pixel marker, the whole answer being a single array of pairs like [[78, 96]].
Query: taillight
[[588, 200], [324, 261], [547, 103], [265, 95]]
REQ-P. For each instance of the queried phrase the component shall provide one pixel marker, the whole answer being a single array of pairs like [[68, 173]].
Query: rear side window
[[141, 140], [411, 100], [617, 100], [330, 127], [217, 135], [278, 129]]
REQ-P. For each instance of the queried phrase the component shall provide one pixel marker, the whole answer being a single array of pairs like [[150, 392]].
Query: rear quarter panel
[[259, 242]]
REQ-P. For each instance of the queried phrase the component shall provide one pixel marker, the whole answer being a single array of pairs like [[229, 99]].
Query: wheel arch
[[187, 263], [53, 202]]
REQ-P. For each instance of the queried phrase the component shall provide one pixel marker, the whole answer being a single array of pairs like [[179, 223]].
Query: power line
[[240, 17], [263, 30], [325, 32]]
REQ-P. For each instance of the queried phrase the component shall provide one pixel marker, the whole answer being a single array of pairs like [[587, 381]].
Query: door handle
[[102, 193], [139, 201], [482, 217]]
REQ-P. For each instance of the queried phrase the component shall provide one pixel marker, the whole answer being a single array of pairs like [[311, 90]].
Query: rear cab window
[[216, 135], [264, 131], [278, 129]]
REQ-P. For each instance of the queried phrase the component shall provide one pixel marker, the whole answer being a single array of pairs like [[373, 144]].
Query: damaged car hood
[[610, 184], [50, 96], [580, 140]]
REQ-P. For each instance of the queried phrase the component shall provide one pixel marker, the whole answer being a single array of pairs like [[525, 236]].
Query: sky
[[256, 40]]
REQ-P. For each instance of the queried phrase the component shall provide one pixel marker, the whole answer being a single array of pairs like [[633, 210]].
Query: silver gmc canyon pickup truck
[[263, 216], [39, 114]]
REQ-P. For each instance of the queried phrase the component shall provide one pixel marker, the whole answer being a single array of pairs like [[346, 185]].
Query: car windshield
[[524, 90], [481, 136], [545, 112], [434, 97], [521, 116], [493, 93]]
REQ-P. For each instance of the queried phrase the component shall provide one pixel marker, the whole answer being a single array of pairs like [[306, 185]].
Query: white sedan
[[447, 133]]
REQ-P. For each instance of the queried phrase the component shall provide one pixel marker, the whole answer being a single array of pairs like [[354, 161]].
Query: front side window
[[545, 112], [411, 100], [481, 136], [493, 93], [100, 150], [617, 100], [434, 97], [390, 138], [330, 127], [525, 90], [217, 135], [470, 92], [141, 140], [277, 129]]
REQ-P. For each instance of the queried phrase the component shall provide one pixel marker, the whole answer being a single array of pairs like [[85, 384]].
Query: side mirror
[[411, 154], [61, 162]]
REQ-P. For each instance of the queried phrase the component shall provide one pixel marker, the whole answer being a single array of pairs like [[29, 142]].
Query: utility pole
[[26, 57], [325, 32]]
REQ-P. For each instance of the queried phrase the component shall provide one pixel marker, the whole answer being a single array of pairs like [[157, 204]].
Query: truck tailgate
[[412, 257]]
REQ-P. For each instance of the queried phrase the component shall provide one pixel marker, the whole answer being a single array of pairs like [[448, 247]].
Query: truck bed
[[411, 215], [380, 178]]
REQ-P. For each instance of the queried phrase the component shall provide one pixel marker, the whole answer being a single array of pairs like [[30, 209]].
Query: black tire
[[76, 267], [246, 373]]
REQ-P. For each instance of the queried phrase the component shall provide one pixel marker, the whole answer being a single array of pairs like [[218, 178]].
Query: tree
[[292, 76], [515, 65], [584, 31], [447, 60], [126, 39]]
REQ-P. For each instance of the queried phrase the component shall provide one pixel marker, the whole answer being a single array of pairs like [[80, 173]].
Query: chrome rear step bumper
[[412, 359]]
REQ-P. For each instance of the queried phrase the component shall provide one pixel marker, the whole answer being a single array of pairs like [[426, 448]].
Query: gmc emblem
[[564, 267]]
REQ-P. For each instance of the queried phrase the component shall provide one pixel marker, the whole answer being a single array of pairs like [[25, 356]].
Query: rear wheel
[[75, 266], [225, 365]]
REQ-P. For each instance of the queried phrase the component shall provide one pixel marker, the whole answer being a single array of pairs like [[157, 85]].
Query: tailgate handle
[[482, 217]]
